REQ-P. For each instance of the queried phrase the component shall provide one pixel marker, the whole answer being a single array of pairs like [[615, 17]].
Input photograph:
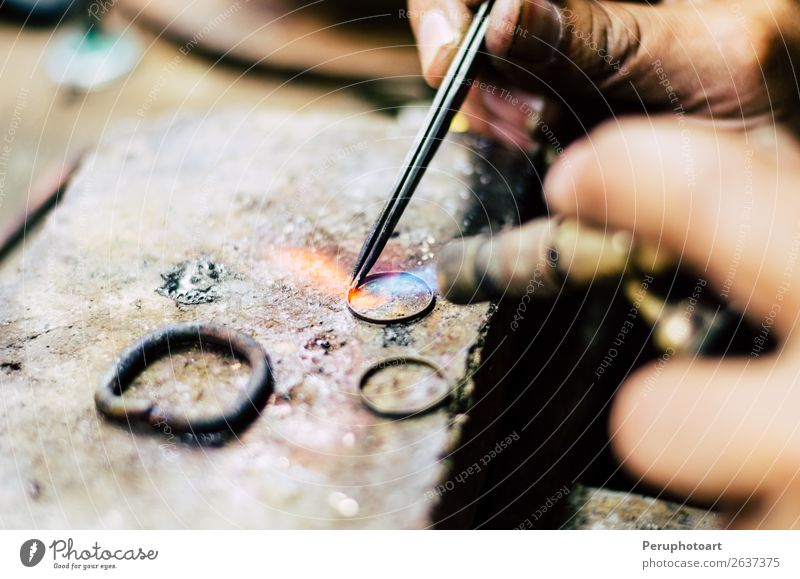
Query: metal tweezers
[[448, 100]]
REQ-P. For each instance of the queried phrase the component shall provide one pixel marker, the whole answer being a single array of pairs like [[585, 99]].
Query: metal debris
[[397, 335], [194, 282]]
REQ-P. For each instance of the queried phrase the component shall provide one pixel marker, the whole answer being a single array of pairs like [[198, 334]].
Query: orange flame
[[325, 273]]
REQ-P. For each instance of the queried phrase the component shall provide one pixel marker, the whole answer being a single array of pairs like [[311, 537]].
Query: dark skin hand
[[726, 59]]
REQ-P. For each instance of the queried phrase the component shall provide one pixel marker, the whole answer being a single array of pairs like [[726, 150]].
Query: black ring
[[400, 319], [153, 346], [398, 361]]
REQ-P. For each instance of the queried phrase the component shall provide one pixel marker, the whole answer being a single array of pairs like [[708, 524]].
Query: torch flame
[[326, 274]]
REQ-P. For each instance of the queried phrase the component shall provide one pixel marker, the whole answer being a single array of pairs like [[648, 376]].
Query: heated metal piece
[[448, 100], [178, 337], [391, 297], [403, 387]]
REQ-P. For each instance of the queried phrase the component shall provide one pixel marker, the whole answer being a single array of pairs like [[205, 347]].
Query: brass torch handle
[[546, 256], [536, 259]]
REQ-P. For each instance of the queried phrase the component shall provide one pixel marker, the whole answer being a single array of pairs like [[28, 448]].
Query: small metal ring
[[398, 361], [109, 401], [400, 319]]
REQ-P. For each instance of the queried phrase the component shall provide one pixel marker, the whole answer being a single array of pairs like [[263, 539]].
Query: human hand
[[724, 203], [722, 59]]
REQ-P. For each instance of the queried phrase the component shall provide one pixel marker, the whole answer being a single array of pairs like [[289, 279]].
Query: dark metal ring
[[153, 346], [398, 361]]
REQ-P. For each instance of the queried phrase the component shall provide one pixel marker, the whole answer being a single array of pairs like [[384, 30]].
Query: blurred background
[[74, 68]]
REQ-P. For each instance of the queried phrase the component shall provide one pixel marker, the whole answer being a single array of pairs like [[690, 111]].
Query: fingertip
[[626, 422], [432, 78], [438, 39], [642, 422], [503, 26], [530, 30], [596, 168], [561, 184]]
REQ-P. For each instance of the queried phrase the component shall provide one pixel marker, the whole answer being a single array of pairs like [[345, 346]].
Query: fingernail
[[435, 32]]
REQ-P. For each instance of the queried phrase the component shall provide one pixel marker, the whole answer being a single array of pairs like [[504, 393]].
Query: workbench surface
[[280, 204]]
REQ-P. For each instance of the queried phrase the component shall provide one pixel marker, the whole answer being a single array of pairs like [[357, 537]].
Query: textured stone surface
[[279, 206], [590, 508], [283, 204]]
